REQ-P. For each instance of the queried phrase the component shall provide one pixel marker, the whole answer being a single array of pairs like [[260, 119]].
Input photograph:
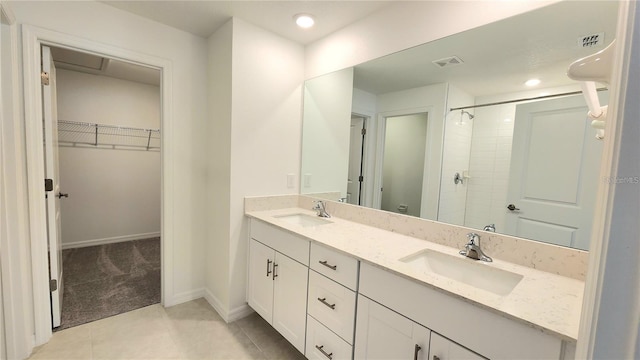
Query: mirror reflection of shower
[[462, 116]]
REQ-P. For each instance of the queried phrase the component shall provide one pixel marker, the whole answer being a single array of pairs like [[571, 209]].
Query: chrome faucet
[[490, 227], [472, 249], [320, 208]]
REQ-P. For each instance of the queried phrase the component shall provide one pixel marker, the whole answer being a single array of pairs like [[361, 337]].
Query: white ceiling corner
[[203, 18]]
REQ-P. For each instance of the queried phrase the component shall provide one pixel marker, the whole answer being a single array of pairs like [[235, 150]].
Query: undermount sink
[[303, 220], [468, 271]]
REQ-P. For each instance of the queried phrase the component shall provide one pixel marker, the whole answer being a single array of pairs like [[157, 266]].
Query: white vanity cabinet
[[278, 279], [441, 348], [384, 334], [482, 331]]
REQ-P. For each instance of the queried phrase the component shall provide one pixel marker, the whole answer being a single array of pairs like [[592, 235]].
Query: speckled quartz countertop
[[545, 301]]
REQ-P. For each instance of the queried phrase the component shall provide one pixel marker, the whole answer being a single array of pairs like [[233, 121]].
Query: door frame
[[14, 260], [32, 39], [364, 158], [431, 168]]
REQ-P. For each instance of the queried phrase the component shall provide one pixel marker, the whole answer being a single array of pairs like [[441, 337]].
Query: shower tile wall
[[455, 159], [489, 166]]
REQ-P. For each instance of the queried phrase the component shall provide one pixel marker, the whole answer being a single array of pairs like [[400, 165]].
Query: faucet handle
[[473, 237]]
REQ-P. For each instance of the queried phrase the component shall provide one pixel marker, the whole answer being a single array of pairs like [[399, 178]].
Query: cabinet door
[[445, 349], [384, 334], [290, 300], [260, 290]]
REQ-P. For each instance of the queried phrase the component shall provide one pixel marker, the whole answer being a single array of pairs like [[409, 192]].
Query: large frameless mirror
[[449, 131]]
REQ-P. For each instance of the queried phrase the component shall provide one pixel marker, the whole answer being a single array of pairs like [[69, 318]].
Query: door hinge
[[361, 178], [364, 132], [53, 285], [48, 184], [44, 77]]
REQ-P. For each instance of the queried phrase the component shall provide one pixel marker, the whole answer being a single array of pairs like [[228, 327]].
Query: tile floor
[[192, 330]]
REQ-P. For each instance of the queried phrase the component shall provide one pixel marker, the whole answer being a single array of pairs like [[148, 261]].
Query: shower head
[[471, 116]]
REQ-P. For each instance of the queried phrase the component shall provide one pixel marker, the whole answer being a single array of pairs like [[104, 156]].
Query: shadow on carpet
[[107, 280]]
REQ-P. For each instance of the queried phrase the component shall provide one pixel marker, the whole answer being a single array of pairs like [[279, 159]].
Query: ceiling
[[203, 18], [498, 58]]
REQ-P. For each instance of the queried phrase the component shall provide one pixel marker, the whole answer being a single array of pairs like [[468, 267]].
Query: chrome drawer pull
[[324, 262], [320, 348], [324, 301], [415, 351], [269, 267]]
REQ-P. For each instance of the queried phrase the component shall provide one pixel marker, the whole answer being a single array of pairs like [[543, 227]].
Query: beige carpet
[[106, 280]]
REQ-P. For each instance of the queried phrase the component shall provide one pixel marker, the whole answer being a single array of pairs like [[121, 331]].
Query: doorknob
[[61, 195], [512, 207]]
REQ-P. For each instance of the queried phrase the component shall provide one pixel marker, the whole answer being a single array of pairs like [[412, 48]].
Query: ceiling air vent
[[448, 62], [592, 40]]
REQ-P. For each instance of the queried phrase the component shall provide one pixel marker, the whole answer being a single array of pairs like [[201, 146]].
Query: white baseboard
[[111, 240], [228, 316], [240, 312], [184, 297], [216, 304]]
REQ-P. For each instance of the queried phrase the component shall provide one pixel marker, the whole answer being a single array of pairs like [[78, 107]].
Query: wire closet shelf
[[74, 133]]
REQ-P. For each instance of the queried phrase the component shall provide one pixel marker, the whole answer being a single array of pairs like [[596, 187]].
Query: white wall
[[326, 134], [15, 266], [455, 158], [406, 24], [260, 112], [186, 218], [114, 193], [431, 99], [612, 306], [265, 134], [219, 168]]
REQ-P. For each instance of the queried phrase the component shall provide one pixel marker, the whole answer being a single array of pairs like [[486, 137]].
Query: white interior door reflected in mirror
[[555, 162]]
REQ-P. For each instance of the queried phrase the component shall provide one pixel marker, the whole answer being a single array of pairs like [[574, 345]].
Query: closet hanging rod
[[521, 99]]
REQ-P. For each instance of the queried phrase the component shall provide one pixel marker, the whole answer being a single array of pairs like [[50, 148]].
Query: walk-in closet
[[109, 161]]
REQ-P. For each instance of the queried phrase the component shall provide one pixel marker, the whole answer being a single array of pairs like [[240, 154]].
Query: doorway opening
[[405, 144], [103, 167]]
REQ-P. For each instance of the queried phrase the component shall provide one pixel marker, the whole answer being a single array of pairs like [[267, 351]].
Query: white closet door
[[50, 123]]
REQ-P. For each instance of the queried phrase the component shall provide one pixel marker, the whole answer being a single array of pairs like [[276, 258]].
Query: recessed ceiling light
[[532, 82], [305, 21]]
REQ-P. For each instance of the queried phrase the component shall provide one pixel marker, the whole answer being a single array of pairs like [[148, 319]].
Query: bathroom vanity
[[339, 289]]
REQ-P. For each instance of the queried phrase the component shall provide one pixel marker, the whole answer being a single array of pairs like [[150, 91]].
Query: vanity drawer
[[332, 304], [334, 265], [284, 242], [322, 344]]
